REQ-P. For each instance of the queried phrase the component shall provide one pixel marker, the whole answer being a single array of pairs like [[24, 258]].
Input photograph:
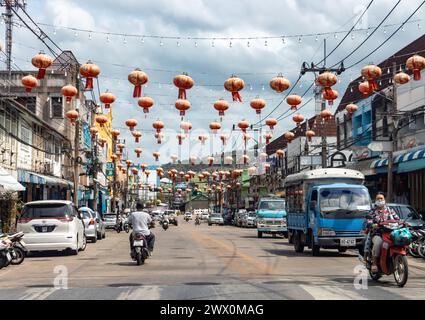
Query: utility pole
[[316, 69], [76, 164], [95, 163], [394, 136]]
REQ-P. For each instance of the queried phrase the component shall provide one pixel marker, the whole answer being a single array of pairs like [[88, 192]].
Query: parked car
[[101, 227], [110, 220], [90, 223], [52, 225], [408, 213], [249, 220], [215, 218]]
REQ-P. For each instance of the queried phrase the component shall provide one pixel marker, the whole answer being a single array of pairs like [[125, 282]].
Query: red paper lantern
[[326, 115], [271, 122], [129, 163], [114, 158], [143, 167], [102, 142], [258, 104], [72, 115], [280, 84], [107, 99], [158, 125], [182, 106], [156, 155], [416, 64], [89, 71], [351, 108], [186, 126], [93, 132], [243, 125], [138, 152], [330, 96], [101, 120], [364, 88], [215, 126], [29, 82], [69, 92], [183, 82], [298, 119], [121, 147], [245, 159], [42, 62], [137, 78], [310, 134], [289, 136], [145, 103], [210, 161], [401, 78], [137, 135], [131, 124], [371, 73], [327, 80], [294, 100], [221, 106], [268, 137], [234, 85], [115, 133], [180, 137], [223, 139], [280, 153]]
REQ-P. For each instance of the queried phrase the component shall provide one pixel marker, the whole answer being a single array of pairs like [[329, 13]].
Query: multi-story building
[[374, 122]]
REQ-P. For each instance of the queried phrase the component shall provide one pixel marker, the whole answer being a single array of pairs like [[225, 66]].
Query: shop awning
[[36, 178], [9, 183], [406, 161]]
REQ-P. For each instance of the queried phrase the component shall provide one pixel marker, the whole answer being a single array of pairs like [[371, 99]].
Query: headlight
[[261, 221], [325, 232]]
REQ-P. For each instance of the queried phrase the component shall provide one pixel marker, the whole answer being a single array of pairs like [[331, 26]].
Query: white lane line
[[142, 293], [331, 293], [37, 293]]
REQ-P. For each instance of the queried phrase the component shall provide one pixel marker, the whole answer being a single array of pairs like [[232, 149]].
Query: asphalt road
[[200, 262]]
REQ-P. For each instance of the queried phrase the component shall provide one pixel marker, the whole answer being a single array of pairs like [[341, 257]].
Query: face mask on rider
[[380, 203]]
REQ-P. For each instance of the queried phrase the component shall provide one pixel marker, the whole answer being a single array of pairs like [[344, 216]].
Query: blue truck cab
[[326, 209], [271, 217]]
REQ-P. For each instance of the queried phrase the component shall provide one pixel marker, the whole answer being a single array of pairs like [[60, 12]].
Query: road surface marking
[[142, 293], [37, 293], [331, 293], [408, 293]]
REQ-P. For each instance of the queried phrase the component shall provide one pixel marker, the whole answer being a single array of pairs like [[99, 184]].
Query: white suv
[[52, 225]]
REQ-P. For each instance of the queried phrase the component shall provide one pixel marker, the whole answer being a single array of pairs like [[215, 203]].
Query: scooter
[[16, 247], [5, 256], [140, 250], [126, 227], [165, 224], [197, 222], [396, 239]]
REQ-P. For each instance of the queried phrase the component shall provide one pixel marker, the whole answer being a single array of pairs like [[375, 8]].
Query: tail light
[[65, 218], [139, 237], [24, 220], [91, 222]]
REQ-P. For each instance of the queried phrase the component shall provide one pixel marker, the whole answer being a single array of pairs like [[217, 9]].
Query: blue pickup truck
[[271, 217], [326, 209]]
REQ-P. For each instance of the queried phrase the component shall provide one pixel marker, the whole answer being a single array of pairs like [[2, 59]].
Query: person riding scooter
[[141, 222], [378, 215], [197, 221]]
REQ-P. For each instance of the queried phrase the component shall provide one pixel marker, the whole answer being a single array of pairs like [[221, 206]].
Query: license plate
[[43, 229], [348, 242], [138, 243]]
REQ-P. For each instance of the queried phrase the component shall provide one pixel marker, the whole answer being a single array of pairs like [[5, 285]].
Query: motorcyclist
[[140, 221], [379, 214], [197, 221]]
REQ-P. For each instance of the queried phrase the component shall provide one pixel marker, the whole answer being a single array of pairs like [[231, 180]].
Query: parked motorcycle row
[[12, 249], [417, 246]]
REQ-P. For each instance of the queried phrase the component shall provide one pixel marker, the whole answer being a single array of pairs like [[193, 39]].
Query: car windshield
[[46, 210], [252, 214], [272, 205], [86, 214], [342, 202], [110, 216], [215, 216]]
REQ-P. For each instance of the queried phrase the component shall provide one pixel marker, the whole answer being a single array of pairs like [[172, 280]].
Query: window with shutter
[[57, 107]]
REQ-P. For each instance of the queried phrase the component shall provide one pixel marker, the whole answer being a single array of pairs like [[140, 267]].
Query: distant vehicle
[[110, 220], [90, 223], [326, 209], [172, 217], [52, 225], [249, 220], [188, 216], [215, 218], [409, 214], [271, 217], [205, 215], [239, 215]]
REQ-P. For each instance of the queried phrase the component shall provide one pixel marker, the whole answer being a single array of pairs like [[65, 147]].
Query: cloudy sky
[[207, 63]]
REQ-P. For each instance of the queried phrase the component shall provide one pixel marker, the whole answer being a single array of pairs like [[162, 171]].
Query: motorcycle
[[140, 249], [396, 239], [164, 224], [17, 248], [126, 227], [197, 222], [5, 256], [418, 242]]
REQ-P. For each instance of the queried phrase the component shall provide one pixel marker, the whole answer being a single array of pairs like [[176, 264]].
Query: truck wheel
[[260, 234], [315, 249], [298, 245]]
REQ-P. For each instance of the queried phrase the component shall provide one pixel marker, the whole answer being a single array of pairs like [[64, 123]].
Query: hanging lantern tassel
[[236, 96]]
